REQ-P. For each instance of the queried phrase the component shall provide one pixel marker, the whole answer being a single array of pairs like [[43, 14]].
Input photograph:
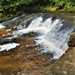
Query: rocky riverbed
[[23, 60], [27, 60]]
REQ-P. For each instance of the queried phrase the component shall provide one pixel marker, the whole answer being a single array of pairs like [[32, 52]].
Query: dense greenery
[[11, 6]]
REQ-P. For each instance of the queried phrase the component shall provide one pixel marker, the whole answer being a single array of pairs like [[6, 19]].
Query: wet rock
[[9, 39], [71, 42]]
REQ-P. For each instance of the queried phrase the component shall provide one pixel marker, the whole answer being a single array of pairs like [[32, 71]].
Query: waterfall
[[54, 33], [55, 41]]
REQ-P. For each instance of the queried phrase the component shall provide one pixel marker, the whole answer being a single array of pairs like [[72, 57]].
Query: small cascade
[[54, 33], [55, 41]]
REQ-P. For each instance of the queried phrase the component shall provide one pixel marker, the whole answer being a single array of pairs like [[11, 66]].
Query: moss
[[1, 14]]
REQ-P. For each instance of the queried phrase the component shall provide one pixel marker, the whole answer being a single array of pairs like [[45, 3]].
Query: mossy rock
[[53, 9], [1, 14]]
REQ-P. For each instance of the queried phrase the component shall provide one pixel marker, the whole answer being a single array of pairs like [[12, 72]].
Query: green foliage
[[7, 6], [12, 5]]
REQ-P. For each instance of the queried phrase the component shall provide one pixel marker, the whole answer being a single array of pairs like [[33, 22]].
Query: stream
[[52, 32], [34, 36]]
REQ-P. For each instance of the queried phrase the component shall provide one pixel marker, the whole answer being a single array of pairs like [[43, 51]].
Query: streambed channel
[[30, 44]]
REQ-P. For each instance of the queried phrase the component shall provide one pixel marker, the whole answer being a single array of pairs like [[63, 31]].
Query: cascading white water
[[53, 37], [8, 46], [2, 26], [55, 41]]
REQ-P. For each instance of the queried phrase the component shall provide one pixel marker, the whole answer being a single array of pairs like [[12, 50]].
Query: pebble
[[64, 72]]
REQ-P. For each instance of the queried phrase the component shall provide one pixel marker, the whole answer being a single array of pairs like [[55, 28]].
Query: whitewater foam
[[2, 26], [8, 46]]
